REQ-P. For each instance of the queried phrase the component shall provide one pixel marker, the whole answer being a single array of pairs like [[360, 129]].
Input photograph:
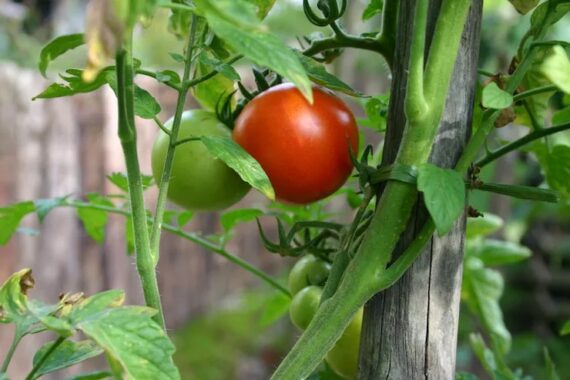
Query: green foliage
[[236, 23], [57, 47], [238, 159], [94, 220], [132, 338], [556, 68], [126, 334], [65, 355], [494, 97], [373, 8], [10, 218], [524, 6], [318, 74], [444, 195]]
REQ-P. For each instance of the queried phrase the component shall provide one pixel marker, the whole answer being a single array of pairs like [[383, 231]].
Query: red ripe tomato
[[303, 148]]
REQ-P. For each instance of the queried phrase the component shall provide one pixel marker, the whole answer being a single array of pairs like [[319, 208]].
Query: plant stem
[[204, 243], [507, 148], [416, 106], [348, 41], [152, 74], [203, 78], [42, 360], [168, 162], [534, 91], [17, 338], [478, 139], [127, 135]]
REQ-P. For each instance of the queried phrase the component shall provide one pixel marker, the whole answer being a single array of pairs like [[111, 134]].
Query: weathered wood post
[[410, 330]]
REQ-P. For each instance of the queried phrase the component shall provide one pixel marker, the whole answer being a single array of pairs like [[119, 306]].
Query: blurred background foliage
[[233, 341]]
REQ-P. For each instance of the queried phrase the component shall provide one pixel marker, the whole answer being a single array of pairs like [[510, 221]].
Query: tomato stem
[[167, 171], [128, 137]]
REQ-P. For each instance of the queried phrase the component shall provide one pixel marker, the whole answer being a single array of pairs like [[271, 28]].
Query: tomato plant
[[304, 148], [297, 143], [199, 181]]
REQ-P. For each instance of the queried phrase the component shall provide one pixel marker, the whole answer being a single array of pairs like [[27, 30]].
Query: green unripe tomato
[[304, 306], [199, 181], [343, 358], [309, 270]]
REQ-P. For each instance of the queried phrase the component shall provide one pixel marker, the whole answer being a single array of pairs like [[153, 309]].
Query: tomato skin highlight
[[303, 148], [199, 181]]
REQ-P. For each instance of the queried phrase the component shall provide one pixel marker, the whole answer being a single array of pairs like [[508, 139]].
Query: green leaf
[[556, 68], [231, 218], [524, 6], [534, 77], [238, 159], [98, 375], [538, 18], [497, 252], [494, 97], [484, 225], [566, 328], [376, 109], [13, 298], [263, 7], [74, 85], [561, 116], [184, 217], [444, 195], [318, 74], [482, 290], [146, 105], [236, 23], [373, 8], [214, 64], [483, 353], [65, 355], [133, 339], [180, 20], [556, 166], [212, 91], [275, 308], [551, 373], [3, 376], [95, 304], [10, 218], [57, 47], [121, 181], [94, 221], [44, 206]]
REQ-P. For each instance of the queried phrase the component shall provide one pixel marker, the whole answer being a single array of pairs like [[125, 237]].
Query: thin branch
[[521, 142]]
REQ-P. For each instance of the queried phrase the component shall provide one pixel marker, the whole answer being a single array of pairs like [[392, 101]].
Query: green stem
[[349, 41], [387, 37], [127, 135], [534, 91], [43, 359], [478, 139], [168, 162], [419, 134], [152, 74], [198, 240], [416, 106], [340, 262], [507, 148], [203, 78], [17, 338]]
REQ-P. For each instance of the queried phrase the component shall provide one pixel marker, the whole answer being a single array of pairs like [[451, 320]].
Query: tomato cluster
[[306, 280]]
